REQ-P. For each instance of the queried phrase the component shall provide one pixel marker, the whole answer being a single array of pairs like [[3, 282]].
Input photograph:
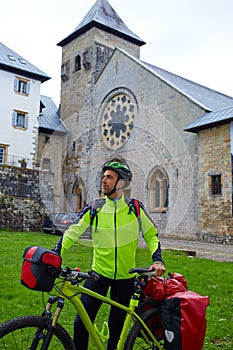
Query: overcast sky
[[191, 38]]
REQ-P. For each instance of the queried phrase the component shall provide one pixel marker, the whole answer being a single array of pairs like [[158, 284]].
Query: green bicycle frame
[[71, 292]]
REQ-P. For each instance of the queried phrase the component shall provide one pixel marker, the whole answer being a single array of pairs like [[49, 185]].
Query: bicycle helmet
[[121, 169]]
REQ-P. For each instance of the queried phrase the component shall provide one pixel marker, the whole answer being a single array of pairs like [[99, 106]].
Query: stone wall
[[216, 224], [21, 204]]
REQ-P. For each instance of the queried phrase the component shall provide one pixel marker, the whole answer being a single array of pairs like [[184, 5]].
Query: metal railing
[[18, 161]]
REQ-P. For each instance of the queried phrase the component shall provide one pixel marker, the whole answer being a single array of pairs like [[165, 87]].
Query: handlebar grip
[[93, 275], [84, 275], [140, 270]]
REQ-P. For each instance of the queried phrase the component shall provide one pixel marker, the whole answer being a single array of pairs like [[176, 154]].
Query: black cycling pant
[[120, 291]]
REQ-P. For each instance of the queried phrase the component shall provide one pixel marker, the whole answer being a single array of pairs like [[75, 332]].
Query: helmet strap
[[115, 188]]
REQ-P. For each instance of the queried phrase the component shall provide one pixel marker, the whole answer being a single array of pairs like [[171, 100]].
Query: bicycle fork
[[52, 322]]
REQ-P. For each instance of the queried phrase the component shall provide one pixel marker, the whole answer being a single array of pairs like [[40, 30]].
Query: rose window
[[117, 121]]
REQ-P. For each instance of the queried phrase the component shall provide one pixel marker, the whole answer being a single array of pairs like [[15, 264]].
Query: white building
[[19, 107]]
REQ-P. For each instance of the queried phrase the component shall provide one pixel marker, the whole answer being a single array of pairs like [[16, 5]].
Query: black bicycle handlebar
[[142, 271], [74, 275]]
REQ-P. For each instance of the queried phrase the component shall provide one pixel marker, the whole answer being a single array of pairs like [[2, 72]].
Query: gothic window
[[158, 191], [77, 63], [79, 194]]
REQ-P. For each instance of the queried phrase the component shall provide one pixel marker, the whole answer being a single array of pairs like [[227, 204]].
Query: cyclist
[[115, 234]]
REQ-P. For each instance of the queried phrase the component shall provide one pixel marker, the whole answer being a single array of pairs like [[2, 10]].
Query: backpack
[[98, 203]]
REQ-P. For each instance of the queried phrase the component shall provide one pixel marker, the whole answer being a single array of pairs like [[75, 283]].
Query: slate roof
[[207, 98], [12, 62], [211, 119], [49, 119], [103, 16]]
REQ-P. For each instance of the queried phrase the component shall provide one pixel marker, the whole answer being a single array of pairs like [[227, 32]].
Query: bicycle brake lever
[[94, 276]]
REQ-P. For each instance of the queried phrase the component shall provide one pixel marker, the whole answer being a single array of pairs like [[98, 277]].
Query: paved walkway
[[214, 251]]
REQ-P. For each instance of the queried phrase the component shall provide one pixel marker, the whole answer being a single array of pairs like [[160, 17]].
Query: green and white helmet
[[121, 169]]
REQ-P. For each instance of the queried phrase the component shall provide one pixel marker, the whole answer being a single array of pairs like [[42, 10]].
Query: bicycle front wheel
[[29, 333], [139, 339]]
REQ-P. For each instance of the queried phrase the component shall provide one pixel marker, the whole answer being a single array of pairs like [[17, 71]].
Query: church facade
[[174, 134]]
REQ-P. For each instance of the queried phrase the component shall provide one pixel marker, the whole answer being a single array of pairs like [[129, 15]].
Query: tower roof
[[104, 17]]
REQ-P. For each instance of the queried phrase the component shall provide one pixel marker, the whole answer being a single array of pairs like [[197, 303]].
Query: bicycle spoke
[[30, 333]]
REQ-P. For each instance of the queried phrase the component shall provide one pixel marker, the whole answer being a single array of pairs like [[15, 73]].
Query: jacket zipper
[[115, 241]]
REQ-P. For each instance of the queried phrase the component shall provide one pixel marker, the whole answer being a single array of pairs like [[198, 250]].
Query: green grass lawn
[[206, 277]]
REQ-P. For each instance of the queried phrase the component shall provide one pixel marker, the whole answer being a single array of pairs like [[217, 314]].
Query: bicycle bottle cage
[[36, 273]]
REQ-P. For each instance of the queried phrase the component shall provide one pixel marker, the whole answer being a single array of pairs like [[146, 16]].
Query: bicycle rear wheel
[[29, 332], [136, 340]]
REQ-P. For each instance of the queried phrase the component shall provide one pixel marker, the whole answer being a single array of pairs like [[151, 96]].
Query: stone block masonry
[[21, 204]]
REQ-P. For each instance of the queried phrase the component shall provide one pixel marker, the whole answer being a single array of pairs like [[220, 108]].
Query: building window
[[76, 195], [20, 119], [21, 86], [77, 63], [46, 164], [47, 139], [158, 191], [216, 187], [2, 155]]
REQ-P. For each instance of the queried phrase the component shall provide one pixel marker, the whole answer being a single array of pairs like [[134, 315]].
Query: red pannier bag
[[184, 320], [36, 273], [156, 289], [159, 288]]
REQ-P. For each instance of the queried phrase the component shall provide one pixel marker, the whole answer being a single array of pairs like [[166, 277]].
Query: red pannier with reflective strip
[[183, 312], [36, 273], [184, 320]]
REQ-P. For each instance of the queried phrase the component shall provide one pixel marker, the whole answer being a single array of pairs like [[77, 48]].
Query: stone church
[[176, 135]]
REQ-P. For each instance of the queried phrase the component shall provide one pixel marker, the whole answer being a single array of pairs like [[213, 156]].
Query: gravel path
[[200, 249]]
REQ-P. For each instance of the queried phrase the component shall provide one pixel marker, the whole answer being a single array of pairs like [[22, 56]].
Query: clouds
[[189, 38]]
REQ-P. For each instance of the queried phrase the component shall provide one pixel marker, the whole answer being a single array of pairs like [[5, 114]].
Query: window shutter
[[14, 118], [26, 121], [16, 85], [28, 88]]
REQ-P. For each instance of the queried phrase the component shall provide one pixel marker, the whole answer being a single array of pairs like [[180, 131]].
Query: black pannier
[[37, 273]]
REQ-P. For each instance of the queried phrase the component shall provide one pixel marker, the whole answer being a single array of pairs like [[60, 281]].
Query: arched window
[[77, 63], [79, 193], [158, 191]]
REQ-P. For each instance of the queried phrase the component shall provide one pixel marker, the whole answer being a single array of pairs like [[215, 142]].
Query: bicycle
[[44, 332]]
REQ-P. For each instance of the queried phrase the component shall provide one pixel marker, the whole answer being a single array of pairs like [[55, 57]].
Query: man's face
[[109, 181]]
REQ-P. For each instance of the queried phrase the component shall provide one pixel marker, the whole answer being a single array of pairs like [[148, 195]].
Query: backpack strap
[[135, 205], [96, 206]]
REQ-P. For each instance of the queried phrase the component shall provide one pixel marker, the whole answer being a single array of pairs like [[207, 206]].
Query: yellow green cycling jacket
[[115, 238]]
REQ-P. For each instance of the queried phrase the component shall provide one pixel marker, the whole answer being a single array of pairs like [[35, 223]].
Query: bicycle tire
[[135, 341], [19, 333]]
